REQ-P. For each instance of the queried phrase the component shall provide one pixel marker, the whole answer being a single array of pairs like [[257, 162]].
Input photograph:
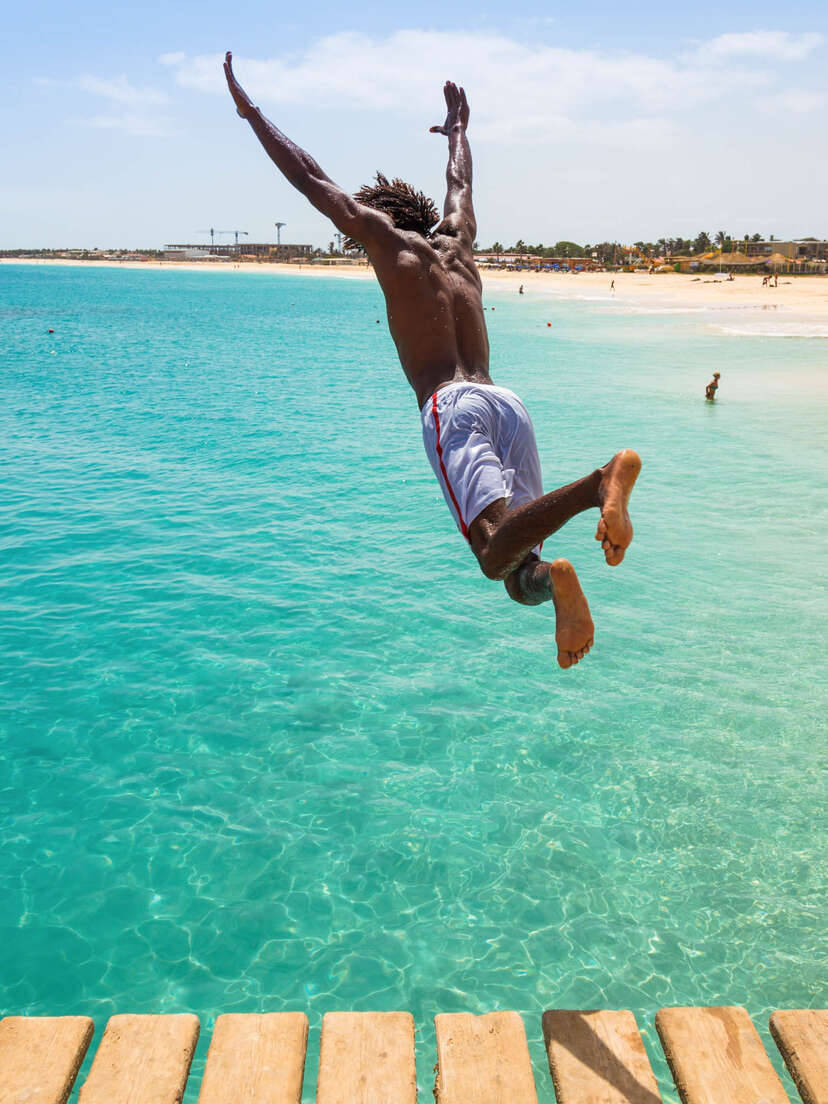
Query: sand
[[803, 296]]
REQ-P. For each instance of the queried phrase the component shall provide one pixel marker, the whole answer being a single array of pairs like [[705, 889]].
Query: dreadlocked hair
[[409, 209]]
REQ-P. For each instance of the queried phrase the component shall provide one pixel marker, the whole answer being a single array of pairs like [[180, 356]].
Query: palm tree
[[721, 238]]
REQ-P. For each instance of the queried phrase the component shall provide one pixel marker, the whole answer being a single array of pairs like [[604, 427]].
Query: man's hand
[[457, 109], [240, 97]]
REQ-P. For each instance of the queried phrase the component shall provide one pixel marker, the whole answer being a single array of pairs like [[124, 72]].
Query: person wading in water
[[478, 437]]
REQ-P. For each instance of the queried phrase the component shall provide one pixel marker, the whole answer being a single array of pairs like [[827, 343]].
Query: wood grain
[[802, 1038], [367, 1058], [142, 1060], [483, 1060], [717, 1057], [40, 1057], [256, 1059], [598, 1058]]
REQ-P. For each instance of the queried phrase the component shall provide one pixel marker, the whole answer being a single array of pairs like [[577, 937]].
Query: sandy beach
[[805, 297]]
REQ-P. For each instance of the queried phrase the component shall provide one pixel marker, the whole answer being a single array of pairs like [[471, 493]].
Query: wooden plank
[[367, 1058], [40, 1057], [598, 1058], [256, 1059], [483, 1060], [802, 1038], [717, 1057], [142, 1060]]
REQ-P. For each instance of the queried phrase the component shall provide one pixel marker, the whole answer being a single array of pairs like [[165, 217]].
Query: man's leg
[[502, 540], [536, 581]]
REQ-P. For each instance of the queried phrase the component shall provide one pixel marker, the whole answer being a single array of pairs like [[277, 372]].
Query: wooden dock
[[598, 1057]]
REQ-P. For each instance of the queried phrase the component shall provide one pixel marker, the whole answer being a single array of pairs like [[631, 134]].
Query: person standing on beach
[[478, 437]]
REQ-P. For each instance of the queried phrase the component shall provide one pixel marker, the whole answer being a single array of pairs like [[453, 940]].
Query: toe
[[601, 531], [564, 659]]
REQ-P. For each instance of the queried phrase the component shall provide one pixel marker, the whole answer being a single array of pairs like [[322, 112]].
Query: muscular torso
[[435, 312]]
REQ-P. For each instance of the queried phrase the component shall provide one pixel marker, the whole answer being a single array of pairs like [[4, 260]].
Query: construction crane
[[279, 226], [236, 232], [212, 234]]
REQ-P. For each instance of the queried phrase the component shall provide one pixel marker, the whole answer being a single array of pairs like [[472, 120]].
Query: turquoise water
[[269, 740]]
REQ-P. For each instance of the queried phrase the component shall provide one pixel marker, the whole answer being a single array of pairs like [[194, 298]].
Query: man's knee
[[513, 587], [491, 567], [481, 532]]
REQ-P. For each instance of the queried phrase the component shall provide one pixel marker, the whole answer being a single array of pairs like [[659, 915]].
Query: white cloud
[[131, 109], [798, 101], [781, 45], [358, 70], [173, 58], [519, 92], [130, 122], [119, 90]]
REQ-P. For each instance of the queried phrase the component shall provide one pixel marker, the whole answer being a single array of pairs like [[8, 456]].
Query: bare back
[[431, 284], [435, 312]]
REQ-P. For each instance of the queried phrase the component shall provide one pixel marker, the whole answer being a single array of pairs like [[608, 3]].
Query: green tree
[[702, 242]]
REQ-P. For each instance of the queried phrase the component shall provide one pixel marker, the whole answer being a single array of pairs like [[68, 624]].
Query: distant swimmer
[[520, 290], [712, 387], [478, 437]]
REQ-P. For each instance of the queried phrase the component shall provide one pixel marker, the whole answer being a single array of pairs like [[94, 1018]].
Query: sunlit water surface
[[271, 741]]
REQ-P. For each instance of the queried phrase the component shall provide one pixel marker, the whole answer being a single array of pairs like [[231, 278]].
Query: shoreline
[[806, 297]]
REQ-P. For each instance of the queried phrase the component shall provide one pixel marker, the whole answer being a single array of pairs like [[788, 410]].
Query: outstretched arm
[[458, 208], [359, 222]]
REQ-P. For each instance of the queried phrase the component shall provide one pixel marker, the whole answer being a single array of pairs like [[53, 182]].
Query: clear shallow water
[[268, 740]]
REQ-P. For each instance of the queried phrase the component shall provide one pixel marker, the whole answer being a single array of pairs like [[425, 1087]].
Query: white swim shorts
[[480, 442]]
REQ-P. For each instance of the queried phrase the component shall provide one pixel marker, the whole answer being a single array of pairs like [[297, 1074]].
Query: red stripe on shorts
[[463, 527]]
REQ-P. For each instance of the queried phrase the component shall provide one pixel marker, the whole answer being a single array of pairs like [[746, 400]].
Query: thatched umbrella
[[733, 260], [778, 260]]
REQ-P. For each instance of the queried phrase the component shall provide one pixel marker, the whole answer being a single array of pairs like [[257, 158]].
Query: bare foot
[[574, 631], [615, 531]]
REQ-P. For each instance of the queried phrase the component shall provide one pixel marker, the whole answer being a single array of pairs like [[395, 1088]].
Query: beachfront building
[[254, 251], [200, 252], [532, 262], [801, 249], [778, 261], [269, 251]]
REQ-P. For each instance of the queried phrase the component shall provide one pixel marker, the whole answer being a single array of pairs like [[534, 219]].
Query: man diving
[[478, 437]]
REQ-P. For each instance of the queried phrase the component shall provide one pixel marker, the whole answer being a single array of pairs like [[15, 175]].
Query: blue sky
[[590, 121]]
